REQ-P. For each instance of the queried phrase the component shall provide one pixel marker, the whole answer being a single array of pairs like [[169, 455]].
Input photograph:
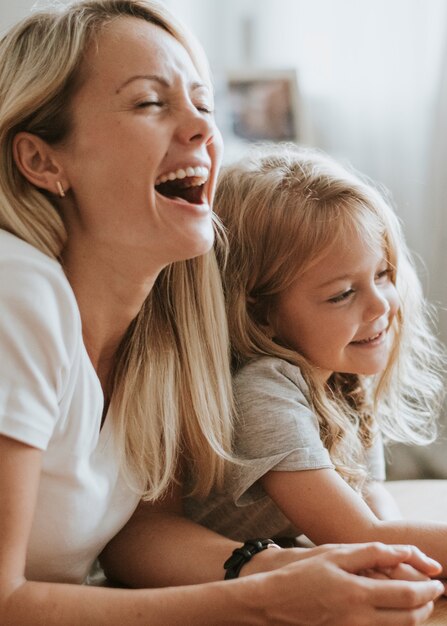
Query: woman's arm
[[326, 509], [299, 594], [186, 553], [321, 591], [159, 547], [24, 602]]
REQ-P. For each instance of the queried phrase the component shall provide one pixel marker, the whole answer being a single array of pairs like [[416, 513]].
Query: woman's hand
[[325, 588], [417, 566]]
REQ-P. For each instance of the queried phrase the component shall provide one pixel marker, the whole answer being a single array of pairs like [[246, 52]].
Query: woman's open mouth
[[186, 184]]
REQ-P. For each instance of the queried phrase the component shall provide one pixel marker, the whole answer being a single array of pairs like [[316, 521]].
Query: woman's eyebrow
[[197, 85], [159, 79], [150, 77]]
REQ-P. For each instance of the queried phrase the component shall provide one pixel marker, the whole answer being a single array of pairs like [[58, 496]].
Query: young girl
[[332, 349]]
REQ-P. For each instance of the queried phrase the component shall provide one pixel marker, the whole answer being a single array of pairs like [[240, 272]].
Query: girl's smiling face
[[338, 313], [143, 153]]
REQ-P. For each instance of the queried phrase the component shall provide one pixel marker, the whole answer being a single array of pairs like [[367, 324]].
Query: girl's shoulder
[[269, 371], [273, 401]]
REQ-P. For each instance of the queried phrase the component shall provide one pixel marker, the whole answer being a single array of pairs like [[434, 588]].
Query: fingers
[[397, 594], [400, 572], [357, 557], [375, 573], [422, 562], [404, 618], [405, 572], [344, 597]]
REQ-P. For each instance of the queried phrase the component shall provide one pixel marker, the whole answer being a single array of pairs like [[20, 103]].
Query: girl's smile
[[375, 340]]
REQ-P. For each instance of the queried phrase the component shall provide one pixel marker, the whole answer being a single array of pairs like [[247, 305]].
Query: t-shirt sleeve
[[375, 459], [37, 330], [276, 429]]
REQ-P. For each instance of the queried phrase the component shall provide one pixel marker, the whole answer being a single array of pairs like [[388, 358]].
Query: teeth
[[199, 172], [370, 338], [375, 336]]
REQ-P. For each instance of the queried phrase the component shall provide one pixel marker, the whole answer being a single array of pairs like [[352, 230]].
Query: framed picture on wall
[[263, 105]]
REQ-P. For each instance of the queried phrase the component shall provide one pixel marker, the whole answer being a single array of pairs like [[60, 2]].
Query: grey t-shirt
[[276, 430]]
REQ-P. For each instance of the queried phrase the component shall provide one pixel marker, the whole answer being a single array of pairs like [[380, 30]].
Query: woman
[[114, 379]]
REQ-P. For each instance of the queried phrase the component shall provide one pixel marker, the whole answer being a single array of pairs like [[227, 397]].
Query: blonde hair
[[171, 381], [283, 207]]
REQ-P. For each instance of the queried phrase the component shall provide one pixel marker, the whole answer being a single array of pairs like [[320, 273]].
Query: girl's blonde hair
[[172, 390], [283, 208]]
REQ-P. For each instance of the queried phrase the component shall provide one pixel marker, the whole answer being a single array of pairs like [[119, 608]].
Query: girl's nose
[[378, 305]]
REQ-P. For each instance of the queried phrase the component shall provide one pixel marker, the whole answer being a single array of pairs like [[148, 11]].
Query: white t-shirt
[[51, 398]]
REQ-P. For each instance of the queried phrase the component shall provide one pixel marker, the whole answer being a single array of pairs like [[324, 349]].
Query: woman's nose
[[196, 126]]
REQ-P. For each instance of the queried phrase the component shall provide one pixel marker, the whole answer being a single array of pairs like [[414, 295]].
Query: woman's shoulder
[[33, 285], [13, 249], [19, 258]]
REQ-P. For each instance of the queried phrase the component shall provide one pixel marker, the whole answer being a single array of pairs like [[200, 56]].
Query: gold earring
[[60, 189]]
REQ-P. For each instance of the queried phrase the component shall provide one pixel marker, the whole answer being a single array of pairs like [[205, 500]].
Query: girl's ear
[[267, 330], [268, 326], [262, 316], [38, 162]]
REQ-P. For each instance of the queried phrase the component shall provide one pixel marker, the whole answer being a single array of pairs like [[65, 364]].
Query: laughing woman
[[114, 377]]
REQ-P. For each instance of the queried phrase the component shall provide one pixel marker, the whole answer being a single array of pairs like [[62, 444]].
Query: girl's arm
[[380, 501], [302, 593], [327, 510]]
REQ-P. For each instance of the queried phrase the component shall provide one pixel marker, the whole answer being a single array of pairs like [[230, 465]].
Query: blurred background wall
[[372, 81]]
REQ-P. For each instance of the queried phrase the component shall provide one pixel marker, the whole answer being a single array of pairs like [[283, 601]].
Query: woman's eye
[[342, 296], [149, 103], [383, 274], [203, 108]]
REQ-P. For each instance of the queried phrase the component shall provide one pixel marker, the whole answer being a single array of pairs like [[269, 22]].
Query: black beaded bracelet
[[242, 555]]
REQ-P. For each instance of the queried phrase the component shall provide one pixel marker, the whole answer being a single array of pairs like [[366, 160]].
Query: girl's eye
[[342, 296]]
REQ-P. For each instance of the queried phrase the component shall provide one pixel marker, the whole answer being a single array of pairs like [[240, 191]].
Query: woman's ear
[[38, 162]]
